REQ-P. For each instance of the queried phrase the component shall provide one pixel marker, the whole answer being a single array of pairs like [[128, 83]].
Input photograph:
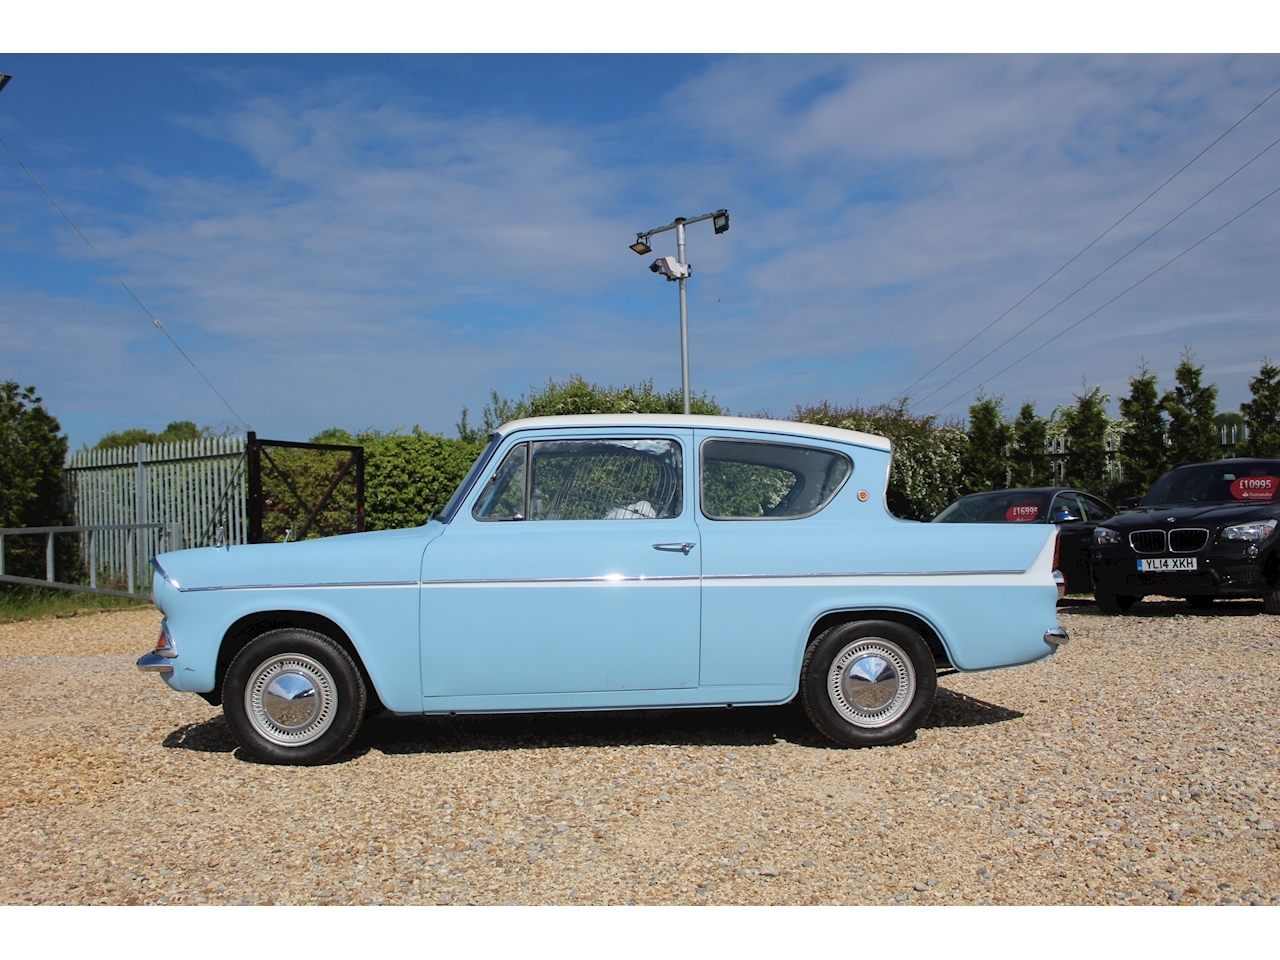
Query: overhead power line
[[1018, 333], [1086, 248], [128, 289], [1109, 302]]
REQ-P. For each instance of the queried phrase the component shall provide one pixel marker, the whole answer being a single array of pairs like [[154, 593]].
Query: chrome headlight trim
[[1254, 531]]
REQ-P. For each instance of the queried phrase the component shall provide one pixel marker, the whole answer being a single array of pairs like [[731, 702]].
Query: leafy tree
[[1085, 426], [576, 396], [926, 472], [1142, 451], [1191, 407], [985, 461], [32, 453], [1028, 461], [1262, 413], [173, 433]]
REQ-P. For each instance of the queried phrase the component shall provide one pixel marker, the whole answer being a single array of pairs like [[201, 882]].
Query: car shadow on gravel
[[1167, 607], [739, 727]]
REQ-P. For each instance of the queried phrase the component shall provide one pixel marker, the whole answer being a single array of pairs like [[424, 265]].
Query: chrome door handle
[[682, 547]]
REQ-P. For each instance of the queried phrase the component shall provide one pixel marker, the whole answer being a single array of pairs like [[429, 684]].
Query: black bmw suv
[[1205, 530]]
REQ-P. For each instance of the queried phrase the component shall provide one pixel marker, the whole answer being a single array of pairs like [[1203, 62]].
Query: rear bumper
[[154, 663]]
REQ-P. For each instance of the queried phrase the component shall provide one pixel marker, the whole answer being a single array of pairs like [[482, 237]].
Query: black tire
[[1201, 602], [1114, 604], [904, 671], [1271, 599], [293, 697]]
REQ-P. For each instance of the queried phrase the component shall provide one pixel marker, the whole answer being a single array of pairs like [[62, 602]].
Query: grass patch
[[27, 603]]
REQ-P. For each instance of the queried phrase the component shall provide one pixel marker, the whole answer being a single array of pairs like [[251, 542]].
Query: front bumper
[[1225, 570]]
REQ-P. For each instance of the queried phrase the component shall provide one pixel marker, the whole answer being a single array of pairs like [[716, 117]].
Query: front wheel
[[1114, 604], [1271, 599], [868, 683], [293, 697]]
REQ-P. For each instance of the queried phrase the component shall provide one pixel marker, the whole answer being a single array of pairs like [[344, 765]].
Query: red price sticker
[[1255, 488], [1022, 512]]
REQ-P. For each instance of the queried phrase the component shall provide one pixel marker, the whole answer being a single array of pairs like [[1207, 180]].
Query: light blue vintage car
[[614, 562]]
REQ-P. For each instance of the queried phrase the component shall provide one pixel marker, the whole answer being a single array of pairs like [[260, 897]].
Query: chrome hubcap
[[290, 700], [871, 682]]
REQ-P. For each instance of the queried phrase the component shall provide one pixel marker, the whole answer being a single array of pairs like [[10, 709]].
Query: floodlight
[[720, 221], [640, 246]]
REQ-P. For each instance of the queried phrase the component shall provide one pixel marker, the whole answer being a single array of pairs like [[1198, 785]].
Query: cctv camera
[[671, 268]]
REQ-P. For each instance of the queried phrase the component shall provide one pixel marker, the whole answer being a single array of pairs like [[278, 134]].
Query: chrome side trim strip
[[732, 579], [167, 579], [304, 586], [823, 576]]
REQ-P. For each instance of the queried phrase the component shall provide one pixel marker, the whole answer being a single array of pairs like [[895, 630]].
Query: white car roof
[[788, 427]]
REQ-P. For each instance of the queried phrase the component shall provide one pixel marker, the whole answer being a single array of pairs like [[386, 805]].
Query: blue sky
[[378, 241]]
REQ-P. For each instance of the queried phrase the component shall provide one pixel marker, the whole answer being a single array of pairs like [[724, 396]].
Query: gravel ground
[[1139, 765]]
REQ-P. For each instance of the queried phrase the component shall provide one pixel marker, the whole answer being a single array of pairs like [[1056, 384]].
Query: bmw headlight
[[1104, 535], [1258, 530]]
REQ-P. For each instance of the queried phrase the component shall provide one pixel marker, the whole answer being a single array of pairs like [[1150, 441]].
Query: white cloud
[[385, 262]]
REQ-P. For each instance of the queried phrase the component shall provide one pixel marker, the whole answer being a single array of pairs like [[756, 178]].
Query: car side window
[[504, 497], [758, 480], [606, 480], [1066, 509], [1095, 510]]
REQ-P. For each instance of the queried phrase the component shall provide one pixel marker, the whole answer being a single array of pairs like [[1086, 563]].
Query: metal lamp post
[[678, 269]]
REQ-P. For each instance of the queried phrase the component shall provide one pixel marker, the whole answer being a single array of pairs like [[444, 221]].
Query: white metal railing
[[142, 542]]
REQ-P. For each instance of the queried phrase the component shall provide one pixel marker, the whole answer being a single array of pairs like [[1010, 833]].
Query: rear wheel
[[293, 697], [1114, 604], [868, 683]]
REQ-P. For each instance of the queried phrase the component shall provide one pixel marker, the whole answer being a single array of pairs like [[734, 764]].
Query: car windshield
[[1005, 506], [455, 501], [1228, 481]]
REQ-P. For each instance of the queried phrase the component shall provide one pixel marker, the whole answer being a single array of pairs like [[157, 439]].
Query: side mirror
[[1128, 503]]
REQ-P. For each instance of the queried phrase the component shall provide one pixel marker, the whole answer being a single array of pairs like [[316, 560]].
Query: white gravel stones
[[1139, 765]]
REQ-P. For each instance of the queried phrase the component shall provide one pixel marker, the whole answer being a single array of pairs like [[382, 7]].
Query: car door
[[765, 526], [1074, 533], [573, 568]]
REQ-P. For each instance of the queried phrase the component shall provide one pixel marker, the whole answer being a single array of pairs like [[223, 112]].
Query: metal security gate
[[299, 491]]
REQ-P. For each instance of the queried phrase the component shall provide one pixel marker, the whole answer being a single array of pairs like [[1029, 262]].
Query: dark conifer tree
[[1191, 406], [985, 462], [1085, 425], [1142, 451], [1262, 414], [1028, 461]]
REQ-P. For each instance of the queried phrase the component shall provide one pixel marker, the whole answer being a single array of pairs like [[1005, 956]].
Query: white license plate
[[1166, 564]]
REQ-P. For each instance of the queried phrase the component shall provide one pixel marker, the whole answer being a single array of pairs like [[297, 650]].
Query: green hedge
[[409, 476]]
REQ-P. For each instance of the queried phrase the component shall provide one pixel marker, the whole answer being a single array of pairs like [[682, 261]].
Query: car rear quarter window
[[761, 480]]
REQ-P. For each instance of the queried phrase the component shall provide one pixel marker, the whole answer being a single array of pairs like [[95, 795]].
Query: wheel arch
[[252, 625], [907, 619]]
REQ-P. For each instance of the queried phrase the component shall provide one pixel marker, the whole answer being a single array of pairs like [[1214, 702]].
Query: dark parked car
[[1075, 512], [1205, 530]]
